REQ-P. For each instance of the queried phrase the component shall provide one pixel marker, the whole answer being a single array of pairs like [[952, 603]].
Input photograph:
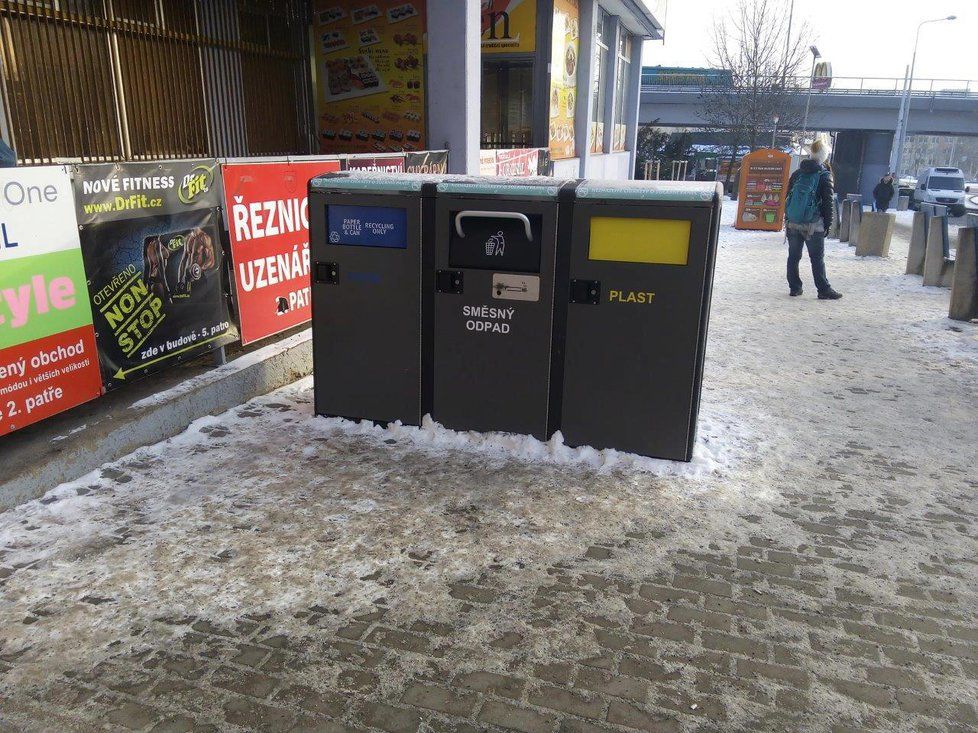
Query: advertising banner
[[48, 356], [377, 164], [487, 162], [370, 75], [509, 26], [563, 85], [268, 222], [763, 188], [432, 161], [151, 239], [518, 162]]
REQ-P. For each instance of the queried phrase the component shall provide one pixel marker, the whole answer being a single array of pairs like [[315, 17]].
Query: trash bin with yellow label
[[495, 243], [366, 234], [633, 300]]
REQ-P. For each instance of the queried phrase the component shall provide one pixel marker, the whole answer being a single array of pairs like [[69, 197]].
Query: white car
[[941, 186]]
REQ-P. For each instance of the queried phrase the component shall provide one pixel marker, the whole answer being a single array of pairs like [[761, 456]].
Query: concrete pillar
[[918, 244], [855, 221], [455, 81], [836, 219], [844, 227], [875, 162], [937, 270], [875, 234], [964, 285]]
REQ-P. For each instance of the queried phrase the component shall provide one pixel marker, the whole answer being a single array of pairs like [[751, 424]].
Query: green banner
[[41, 296]]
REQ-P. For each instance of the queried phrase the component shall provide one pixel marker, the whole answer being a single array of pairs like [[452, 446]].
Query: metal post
[[808, 99], [907, 91]]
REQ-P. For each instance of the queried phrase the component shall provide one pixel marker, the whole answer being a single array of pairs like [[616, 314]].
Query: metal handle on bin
[[493, 215]]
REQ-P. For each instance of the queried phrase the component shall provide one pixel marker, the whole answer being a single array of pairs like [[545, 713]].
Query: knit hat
[[819, 151]]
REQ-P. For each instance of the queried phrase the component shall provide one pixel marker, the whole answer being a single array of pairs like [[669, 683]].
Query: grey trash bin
[[636, 300], [367, 239], [492, 320]]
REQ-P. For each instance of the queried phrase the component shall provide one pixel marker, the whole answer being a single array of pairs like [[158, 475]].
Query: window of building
[[623, 70], [605, 32], [507, 104]]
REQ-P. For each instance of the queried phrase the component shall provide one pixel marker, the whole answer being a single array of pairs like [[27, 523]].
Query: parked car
[[942, 186]]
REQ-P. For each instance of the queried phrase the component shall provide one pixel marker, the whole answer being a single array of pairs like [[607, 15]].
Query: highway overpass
[[862, 111], [836, 109]]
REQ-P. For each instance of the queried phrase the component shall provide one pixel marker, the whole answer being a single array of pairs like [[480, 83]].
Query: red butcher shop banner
[[268, 222]]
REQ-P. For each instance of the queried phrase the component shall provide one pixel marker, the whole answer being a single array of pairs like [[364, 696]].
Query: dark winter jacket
[[883, 192], [826, 196]]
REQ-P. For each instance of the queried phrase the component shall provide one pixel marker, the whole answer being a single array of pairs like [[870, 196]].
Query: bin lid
[[536, 186], [373, 181], [684, 191]]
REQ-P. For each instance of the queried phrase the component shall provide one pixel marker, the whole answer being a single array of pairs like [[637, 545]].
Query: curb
[[78, 442]]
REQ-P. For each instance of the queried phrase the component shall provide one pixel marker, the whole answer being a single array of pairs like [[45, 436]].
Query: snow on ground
[[267, 507]]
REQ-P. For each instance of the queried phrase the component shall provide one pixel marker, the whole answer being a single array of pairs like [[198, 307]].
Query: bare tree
[[764, 57]]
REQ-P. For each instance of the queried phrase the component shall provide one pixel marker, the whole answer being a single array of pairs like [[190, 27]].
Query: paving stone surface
[[816, 569]]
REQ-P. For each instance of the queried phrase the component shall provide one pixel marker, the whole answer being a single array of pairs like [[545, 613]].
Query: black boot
[[829, 294]]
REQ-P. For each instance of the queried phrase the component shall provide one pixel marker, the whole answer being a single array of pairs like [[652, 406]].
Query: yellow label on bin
[[651, 241]]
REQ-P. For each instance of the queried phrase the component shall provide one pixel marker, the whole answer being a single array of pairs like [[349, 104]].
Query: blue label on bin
[[368, 226]]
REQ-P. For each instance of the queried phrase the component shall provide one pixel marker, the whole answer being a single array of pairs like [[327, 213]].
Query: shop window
[[507, 104], [605, 35], [623, 71]]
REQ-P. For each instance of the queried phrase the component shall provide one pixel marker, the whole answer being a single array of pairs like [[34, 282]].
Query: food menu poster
[[563, 79], [370, 75], [763, 187]]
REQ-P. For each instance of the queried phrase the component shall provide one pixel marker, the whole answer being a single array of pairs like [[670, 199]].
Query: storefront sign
[[763, 187], [268, 223], [563, 75], [509, 26], [434, 161], [48, 356], [370, 71], [151, 240], [377, 164]]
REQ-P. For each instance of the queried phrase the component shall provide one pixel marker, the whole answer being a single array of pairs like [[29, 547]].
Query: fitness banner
[[48, 357], [151, 238], [268, 222]]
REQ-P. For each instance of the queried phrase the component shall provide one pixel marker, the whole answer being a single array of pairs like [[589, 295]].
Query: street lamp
[[774, 133], [896, 158], [808, 101]]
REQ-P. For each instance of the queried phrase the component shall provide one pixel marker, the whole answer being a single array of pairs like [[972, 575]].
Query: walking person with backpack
[[809, 210]]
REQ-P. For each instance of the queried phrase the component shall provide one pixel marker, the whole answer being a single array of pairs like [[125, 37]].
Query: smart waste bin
[[368, 260], [634, 305], [495, 242]]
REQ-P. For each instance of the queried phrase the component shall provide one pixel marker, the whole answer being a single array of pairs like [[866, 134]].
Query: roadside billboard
[[48, 354], [370, 75], [268, 223], [151, 240]]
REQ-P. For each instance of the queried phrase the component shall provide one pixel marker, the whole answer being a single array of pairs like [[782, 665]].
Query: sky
[[859, 37]]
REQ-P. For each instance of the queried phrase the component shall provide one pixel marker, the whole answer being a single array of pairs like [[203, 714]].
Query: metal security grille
[[101, 80]]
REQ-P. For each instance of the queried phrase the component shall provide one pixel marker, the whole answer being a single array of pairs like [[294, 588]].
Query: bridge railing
[[891, 86]]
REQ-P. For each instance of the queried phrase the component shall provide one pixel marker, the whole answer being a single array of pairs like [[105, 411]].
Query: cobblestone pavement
[[272, 571]]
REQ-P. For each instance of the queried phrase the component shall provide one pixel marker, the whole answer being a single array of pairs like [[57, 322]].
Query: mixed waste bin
[[366, 236], [637, 299], [495, 245]]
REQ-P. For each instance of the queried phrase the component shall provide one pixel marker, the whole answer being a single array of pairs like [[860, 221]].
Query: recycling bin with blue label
[[495, 250], [633, 304], [368, 259]]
